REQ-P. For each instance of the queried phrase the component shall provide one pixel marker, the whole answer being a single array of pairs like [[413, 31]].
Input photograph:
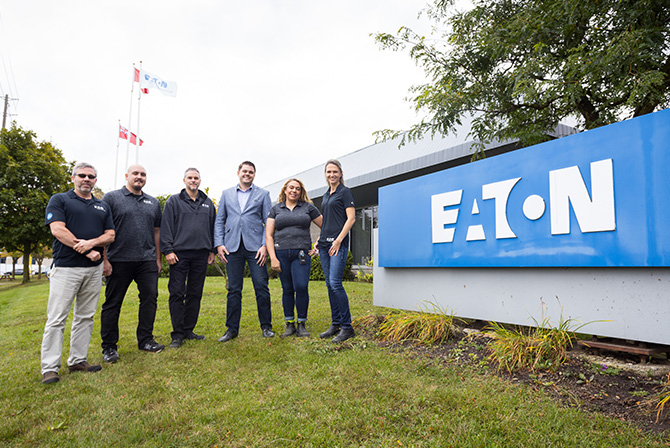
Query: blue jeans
[[294, 282], [259, 278], [333, 270]]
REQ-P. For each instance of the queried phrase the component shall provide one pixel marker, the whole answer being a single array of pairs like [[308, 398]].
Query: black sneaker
[[110, 355], [176, 342], [152, 346]]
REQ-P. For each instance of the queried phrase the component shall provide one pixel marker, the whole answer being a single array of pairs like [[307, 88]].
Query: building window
[[361, 234]]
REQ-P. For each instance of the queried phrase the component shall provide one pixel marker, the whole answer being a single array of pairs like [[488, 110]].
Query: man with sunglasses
[[81, 225], [133, 256]]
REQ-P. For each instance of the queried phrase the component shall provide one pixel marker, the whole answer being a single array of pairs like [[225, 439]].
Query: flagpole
[[116, 159], [137, 140], [130, 117]]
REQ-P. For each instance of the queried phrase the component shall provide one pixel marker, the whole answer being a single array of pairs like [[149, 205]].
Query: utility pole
[[4, 114]]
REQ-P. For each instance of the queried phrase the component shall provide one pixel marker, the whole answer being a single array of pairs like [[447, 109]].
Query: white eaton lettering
[[594, 213]]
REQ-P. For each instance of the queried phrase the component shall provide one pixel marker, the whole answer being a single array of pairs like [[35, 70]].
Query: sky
[[286, 84]]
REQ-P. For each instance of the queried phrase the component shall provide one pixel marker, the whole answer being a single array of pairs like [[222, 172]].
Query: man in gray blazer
[[239, 237]]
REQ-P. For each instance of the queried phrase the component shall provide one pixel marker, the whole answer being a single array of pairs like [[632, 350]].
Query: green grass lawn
[[268, 392]]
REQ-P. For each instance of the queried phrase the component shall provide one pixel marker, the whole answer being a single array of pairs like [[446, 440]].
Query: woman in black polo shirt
[[339, 215], [289, 243]]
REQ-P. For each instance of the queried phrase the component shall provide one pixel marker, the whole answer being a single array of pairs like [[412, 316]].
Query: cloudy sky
[[287, 84]]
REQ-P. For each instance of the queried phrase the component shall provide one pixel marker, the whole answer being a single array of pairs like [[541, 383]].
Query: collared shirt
[[334, 209], [135, 217], [243, 196], [84, 218], [292, 226]]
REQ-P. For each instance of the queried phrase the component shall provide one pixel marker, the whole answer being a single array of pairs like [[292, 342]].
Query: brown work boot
[[50, 377], [84, 366]]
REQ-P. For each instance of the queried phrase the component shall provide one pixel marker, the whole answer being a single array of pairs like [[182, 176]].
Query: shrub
[[364, 276], [316, 273], [165, 270], [216, 270]]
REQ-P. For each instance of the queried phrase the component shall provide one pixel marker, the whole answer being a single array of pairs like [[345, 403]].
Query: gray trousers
[[65, 285]]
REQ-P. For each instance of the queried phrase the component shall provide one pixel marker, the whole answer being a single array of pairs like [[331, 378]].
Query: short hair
[[303, 192], [246, 162], [81, 166], [191, 169], [339, 167]]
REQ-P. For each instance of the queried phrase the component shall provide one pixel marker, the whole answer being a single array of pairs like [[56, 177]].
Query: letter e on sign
[[442, 217]]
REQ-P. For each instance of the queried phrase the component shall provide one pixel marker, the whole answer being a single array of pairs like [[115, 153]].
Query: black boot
[[331, 331], [302, 331], [290, 330], [344, 334]]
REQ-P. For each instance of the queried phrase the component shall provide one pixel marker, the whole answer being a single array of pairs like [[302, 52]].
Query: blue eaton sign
[[598, 198]]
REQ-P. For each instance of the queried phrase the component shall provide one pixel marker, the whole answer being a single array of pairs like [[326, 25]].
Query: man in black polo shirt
[[81, 225], [187, 241], [134, 256]]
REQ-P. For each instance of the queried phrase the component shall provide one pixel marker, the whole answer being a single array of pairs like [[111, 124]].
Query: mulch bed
[[614, 386]]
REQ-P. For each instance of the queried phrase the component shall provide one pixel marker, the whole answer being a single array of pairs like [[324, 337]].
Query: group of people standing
[[122, 236]]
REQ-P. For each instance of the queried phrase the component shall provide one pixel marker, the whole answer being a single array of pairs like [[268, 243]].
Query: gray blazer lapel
[[252, 198], [234, 203]]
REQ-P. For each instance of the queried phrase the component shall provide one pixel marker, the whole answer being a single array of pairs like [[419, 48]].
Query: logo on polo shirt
[[205, 205], [99, 207], [146, 201], [49, 216]]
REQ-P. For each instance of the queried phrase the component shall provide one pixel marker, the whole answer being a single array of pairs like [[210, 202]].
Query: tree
[[39, 254], [518, 67], [30, 173], [97, 192], [162, 199]]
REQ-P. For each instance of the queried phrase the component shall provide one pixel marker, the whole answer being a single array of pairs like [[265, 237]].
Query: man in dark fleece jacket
[[187, 241]]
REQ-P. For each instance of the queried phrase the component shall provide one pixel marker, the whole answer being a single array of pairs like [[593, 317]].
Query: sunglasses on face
[[84, 176]]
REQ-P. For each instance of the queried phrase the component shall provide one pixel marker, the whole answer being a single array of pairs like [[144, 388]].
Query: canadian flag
[[133, 139], [136, 78], [123, 133]]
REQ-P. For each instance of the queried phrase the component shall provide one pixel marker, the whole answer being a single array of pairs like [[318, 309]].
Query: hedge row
[[316, 273]]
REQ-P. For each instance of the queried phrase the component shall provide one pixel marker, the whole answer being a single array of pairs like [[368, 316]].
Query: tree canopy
[[518, 67], [30, 173]]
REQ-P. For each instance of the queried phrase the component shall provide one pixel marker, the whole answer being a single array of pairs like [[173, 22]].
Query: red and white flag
[[123, 132], [133, 139], [136, 78]]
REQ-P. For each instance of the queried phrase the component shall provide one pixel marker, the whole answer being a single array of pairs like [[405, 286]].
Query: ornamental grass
[[436, 326], [542, 346]]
